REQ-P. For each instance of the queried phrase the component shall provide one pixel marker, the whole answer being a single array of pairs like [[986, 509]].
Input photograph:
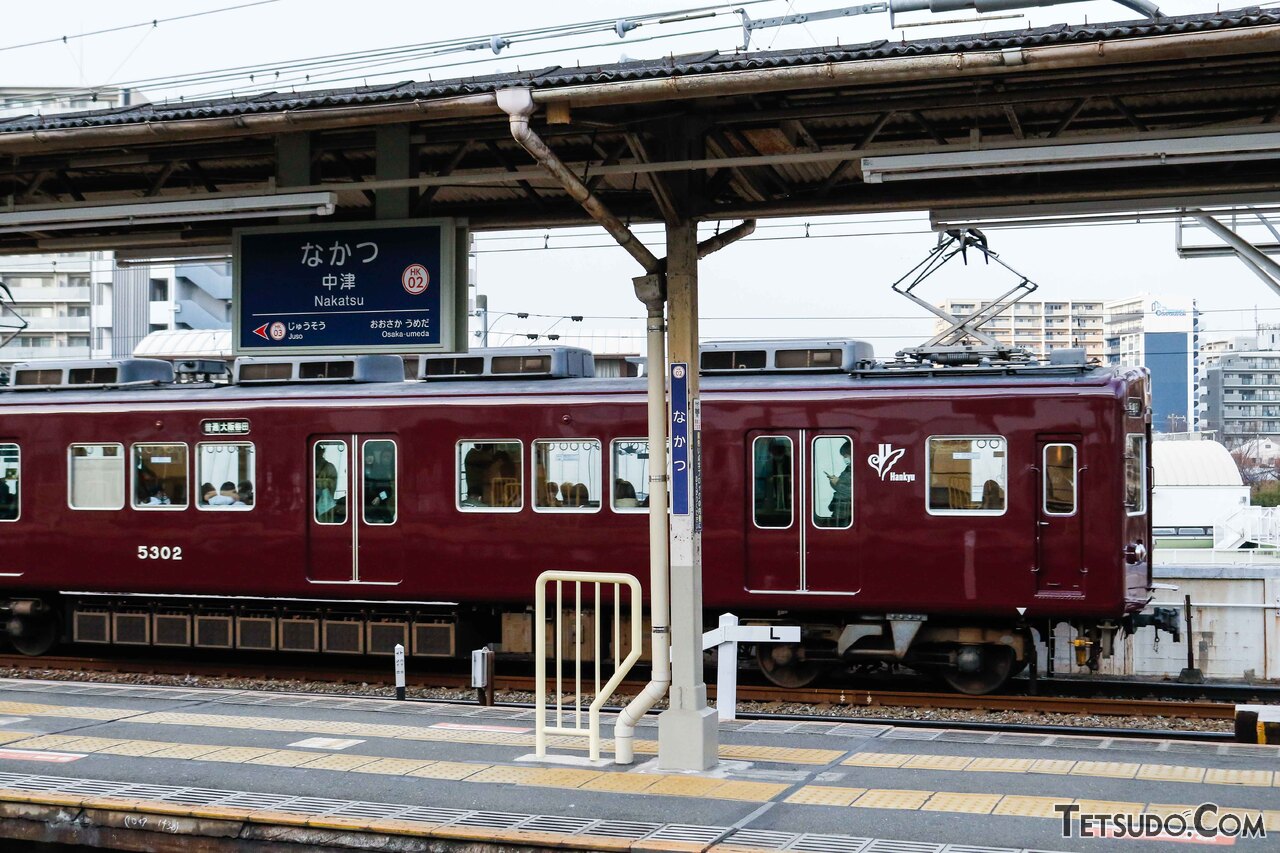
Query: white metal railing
[[1257, 524], [621, 666]]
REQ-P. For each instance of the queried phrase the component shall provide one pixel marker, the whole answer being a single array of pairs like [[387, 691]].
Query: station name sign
[[348, 289]]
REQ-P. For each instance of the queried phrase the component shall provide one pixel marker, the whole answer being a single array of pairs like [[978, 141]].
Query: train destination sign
[[350, 288]]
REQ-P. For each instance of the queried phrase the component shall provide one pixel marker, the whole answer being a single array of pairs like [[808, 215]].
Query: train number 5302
[[159, 552]]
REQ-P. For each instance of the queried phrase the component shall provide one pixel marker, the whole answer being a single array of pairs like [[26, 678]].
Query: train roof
[[148, 392]]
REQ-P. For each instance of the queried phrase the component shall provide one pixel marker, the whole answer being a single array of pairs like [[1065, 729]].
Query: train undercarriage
[[973, 659]]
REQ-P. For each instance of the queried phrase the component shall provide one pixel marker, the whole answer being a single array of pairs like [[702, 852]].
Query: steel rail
[[851, 697]]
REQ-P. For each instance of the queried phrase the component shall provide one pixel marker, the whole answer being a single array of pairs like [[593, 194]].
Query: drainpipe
[[651, 290], [518, 105]]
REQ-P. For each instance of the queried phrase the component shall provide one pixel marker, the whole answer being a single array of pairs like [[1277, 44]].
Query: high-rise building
[[84, 305], [1041, 327], [1161, 333], [1242, 397], [51, 293]]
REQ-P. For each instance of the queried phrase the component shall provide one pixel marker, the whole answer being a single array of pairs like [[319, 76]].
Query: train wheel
[[33, 635], [785, 665], [988, 668]]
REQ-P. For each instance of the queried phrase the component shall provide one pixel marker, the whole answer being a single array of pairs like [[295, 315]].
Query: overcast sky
[[835, 283]]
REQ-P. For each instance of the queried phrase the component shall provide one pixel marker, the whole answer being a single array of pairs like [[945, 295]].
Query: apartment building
[[1041, 326]]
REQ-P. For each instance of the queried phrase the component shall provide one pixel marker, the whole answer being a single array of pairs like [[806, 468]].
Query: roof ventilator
[[253, 370], [191, 370], [49, 375], [505, 363], [793, 356]]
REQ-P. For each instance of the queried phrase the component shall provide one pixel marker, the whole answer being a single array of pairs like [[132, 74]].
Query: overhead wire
[[154, 22], [274, 71]]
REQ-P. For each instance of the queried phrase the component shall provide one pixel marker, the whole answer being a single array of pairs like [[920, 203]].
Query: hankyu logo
[[885, 458], [1162, 311]]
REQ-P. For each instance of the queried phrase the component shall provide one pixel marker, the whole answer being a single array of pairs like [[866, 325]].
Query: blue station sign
[[348, 289]]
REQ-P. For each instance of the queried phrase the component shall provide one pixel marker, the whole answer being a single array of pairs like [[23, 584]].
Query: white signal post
[[725, 638], [399, 671]]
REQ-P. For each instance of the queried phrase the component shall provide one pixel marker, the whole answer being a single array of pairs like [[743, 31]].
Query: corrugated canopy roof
[[706, 136]]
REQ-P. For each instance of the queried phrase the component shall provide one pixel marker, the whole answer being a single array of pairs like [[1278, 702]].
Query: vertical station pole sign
[[348, 289], [686, 460]]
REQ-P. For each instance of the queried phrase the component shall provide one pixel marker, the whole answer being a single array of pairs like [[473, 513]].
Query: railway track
[[849, 697]]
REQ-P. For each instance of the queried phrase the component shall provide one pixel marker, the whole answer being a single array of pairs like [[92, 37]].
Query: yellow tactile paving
[[1057, 766], [7, 736], [339, 762], [621, 783], [961, 803], [234, 754], [1256, 778], [283, 758], [892, 799], [1000, 765], [754, 792], [780, 754], [74, 712], [937, 762], [1017, 806], [454, 770], [185, 750], [561, 777], [45, 742], [1170, 773], [876, 759], [683, 786], [136, 748], [503, 774], [1271, 820], [825, 795], [392, 766], [1107, 769], [1110, 807]]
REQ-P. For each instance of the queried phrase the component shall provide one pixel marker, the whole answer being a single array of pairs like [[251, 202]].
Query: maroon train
[[331, 505]]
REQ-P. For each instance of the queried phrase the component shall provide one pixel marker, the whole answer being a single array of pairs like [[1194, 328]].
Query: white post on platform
[[726, 669], [399, 671], [724, 639], [687, 735]]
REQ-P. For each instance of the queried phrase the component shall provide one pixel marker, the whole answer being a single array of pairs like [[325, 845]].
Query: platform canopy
[[1169, 112]]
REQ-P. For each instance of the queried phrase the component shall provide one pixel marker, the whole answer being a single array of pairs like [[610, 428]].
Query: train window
[[159, 476], [225, 472], [379, 484], [331, 479], [967, 475], [566, 475], [771, 495], [832, 481], [9, 503], [1059, 487], [630, 475], [1135, 474], [489, 475], [95, 476]]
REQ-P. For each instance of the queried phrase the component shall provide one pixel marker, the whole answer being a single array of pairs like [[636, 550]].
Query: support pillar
[[394, 162], [688, 738]]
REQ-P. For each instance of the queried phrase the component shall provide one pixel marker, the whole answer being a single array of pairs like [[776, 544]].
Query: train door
[[353, 510], [800, 512], [829, 564], [1059, 530]]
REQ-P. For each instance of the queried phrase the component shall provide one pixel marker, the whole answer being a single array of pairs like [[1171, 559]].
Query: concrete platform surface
[[175, 768]]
